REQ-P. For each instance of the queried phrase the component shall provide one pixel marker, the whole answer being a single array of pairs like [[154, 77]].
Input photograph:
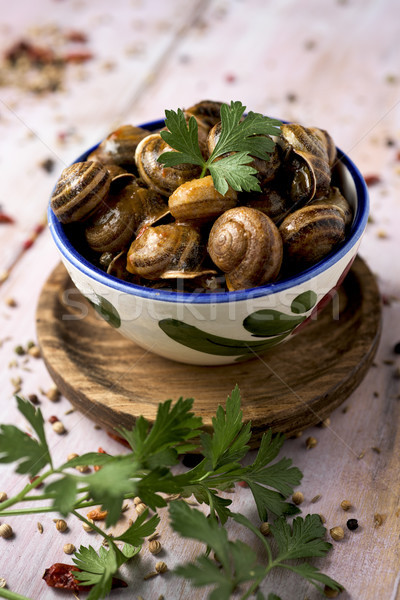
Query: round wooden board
[[289, 388]]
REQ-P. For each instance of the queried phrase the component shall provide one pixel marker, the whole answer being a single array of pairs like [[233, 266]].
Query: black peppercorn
[[352, 524], [396, 349]]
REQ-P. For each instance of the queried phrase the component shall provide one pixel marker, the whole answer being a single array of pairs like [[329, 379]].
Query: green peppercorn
[[19, 350]]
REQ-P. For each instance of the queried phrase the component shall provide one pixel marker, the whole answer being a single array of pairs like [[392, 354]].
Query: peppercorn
[[345, 504], [6, 531], [298, 498], [61, 525], [19, 350], [161, 567], [155, 547], [337, 533], [352, 524], [311, 442], [69, 548], [33, 398], [265, 528], [396, 349]]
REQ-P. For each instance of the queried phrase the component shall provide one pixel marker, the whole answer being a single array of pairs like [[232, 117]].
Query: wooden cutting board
[[296, 385]]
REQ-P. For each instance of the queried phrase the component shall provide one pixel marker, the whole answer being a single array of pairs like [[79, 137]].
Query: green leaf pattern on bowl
[[106, 310], [273, 325]]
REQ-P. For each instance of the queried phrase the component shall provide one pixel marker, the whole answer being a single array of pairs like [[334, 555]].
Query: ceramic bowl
[[217, 328]]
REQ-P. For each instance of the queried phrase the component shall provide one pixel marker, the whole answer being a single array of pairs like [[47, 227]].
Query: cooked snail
[[271, 202], [79, 192], [167, 251], [310, 233], [335, 198], [120, 146], [314, 153], [158, 177], [246, 245], [119, 220], [198, 200]]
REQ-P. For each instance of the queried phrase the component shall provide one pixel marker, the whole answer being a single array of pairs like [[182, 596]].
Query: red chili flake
[[61, 576], [27, 244], [100, 451], [76, 36], [230, 78], [33, 479], [116, 437], [372, 179], [53, 419], [6, 218], [78, 57], [35, 54], [243, 484], [398, 155]]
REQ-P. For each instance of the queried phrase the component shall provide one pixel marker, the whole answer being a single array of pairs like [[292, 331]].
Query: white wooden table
[[333, 64]]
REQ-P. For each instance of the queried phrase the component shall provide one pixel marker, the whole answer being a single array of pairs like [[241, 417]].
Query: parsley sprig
[[240, 141], [148, 472]]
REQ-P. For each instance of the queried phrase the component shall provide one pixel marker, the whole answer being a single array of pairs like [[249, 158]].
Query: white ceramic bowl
[[217, 328]]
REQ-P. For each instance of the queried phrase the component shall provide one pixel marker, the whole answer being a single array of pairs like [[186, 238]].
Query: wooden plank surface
[[333, 64]]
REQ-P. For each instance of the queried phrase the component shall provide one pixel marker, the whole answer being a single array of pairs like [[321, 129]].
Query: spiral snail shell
[[80, 190], [246, 245], [119, 147], [337, 200], [116, 223], [167, 251], [160, 178], [198, 200], [310, 233], [270, 202]]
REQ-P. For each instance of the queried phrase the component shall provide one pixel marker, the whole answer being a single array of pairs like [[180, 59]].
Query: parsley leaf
[[17, 446], [140, 529], [240, 139], [64, 493]]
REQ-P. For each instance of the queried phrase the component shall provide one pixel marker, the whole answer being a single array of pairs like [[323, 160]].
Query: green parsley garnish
[[146, 472], [242, 140]]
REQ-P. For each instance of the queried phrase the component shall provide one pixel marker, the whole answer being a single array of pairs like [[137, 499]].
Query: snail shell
[[310, 233], [81, 189], [115, 224], [160, 178], [270, 202], [119, 147], [315, 152], [206, 112], [246, 245], [166, 251], [199, 200], [336, 199]]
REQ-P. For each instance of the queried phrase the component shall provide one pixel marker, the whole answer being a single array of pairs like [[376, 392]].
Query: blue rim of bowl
[[72, 256]]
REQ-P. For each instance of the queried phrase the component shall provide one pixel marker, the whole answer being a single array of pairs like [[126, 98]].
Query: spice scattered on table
[[87, 527], [161, 567], [97, 515], [6, 531], [298, 498], [69, 548], [346, 504], [330, 593], [352, 524], [337, 533], [311, 442], [265, 528], [40, 527], [140, 508], [371, 180], [58, 427], [53, 393], [3, 496], [155, 547], [379, 519], [315, 498], [61, 525]]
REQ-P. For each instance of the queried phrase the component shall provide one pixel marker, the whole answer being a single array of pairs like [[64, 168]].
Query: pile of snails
[[149, 224]]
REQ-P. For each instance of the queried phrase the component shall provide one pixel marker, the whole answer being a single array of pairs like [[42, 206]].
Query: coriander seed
[[298, 498], [352, 524], [61, 525], [34, 351], [11, 302], [87, 527], [53, 393], [326, 422], [3, 582], [137, 500], [265, 528], [6, 531], [40, 527], [346, 505], [58, 427], [69, 548], [337, 533], [161, 567], [140, 508], [3, 496], [72, 456], [155, 547], [311, 442], [83, 468]]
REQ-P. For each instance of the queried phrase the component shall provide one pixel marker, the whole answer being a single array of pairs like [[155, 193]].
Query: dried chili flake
[[61, 576], [76, 36], [117, 438], [4, 218], [77, 57], [97, 515], [372, 180], [100, 451], [53, 419], [33, 479]]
